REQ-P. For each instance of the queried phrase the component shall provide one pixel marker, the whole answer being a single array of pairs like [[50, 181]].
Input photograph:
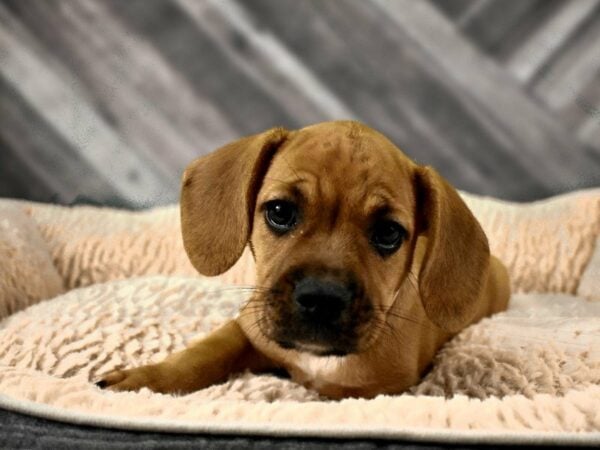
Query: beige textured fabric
[[27, 274], [535, 367], [532, 369], [589, 285], [92, 245], [546, 244]]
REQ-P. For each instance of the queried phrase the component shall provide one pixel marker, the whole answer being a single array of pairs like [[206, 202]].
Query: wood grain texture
[[109, 100]]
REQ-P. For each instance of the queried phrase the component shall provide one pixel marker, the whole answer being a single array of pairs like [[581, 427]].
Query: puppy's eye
[[387, 236], [281, 215]]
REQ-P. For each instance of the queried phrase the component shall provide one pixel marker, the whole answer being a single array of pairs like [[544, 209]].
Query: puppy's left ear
[[218, 195], [455, 265]]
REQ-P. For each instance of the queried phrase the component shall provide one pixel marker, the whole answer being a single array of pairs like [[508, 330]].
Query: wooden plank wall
[[108, 100]]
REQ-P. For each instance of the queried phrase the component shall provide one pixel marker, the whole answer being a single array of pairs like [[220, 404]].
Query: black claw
[[101, 384]]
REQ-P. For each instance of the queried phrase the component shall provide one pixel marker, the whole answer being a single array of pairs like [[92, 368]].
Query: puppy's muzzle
[[321, 301], [319, 310]]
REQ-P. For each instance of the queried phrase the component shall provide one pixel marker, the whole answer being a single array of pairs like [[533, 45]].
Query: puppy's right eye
[[387, 236], [281, 215]]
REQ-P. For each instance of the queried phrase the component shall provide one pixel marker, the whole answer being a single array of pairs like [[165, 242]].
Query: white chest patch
[[326, 368]]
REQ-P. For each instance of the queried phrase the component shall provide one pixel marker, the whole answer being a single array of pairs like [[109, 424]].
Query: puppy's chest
[[320, 370]]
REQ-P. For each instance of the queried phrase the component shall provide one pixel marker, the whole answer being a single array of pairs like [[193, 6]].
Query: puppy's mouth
[[316, 349], [318, 312], [341, 337]]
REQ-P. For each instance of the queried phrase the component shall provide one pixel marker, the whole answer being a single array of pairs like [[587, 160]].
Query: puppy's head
[[332, 213]]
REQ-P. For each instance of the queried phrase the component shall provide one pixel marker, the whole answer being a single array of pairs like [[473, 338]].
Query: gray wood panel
[[45, 157], [110, 99]]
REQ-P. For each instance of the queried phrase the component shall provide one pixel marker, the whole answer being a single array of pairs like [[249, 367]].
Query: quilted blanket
[[84, 290]]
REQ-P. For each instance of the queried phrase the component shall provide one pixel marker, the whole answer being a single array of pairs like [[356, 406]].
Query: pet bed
[[85, 290]]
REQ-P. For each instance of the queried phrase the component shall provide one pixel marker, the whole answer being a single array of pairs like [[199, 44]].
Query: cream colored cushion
[[534, 367], [530, 374], [27, 274]]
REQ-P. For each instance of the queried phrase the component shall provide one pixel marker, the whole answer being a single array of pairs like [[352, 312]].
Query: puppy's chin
[[316, 349], [319, 339]]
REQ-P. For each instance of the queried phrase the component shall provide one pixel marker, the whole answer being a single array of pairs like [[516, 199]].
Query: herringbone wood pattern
[[110, 99]]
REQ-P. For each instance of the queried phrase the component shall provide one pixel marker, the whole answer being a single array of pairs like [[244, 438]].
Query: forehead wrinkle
[[381, 200], [344, 152], [293, 186]]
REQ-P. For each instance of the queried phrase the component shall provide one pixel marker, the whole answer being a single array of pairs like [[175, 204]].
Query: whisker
[[243, 288], [413, 280], [257, 326], [259, 301], [391, 313], [383, 329]]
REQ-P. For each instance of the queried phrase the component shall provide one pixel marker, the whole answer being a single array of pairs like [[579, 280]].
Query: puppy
[[366, 263]]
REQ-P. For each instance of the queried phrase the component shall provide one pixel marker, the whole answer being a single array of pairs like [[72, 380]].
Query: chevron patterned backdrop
[[107, 100]]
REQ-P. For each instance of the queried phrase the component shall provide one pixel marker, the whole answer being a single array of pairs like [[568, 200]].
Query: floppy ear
[[218, 195], [455, 265]]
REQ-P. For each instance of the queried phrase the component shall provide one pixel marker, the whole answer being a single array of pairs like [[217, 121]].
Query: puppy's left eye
[[281, 215], [387, 236]]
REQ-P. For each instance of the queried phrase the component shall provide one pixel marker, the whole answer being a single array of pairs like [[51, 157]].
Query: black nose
[[321, 299]]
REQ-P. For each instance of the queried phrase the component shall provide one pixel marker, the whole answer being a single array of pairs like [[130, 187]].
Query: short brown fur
[[439, 281]]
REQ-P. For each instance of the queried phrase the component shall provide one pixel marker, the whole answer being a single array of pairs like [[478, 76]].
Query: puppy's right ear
[[218, 196]]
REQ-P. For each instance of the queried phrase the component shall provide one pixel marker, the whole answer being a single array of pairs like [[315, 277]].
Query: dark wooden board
[[110, 99]]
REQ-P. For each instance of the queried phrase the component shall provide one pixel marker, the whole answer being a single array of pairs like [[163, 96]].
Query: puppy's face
[[332, 237], [332, 213]]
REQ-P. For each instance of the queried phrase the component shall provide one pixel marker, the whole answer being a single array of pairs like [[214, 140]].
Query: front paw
[[151, 377]]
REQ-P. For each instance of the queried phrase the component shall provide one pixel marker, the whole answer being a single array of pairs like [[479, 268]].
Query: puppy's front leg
[[208, 361]]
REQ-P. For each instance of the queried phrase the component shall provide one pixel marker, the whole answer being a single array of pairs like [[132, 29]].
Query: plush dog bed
[[85, 290]]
